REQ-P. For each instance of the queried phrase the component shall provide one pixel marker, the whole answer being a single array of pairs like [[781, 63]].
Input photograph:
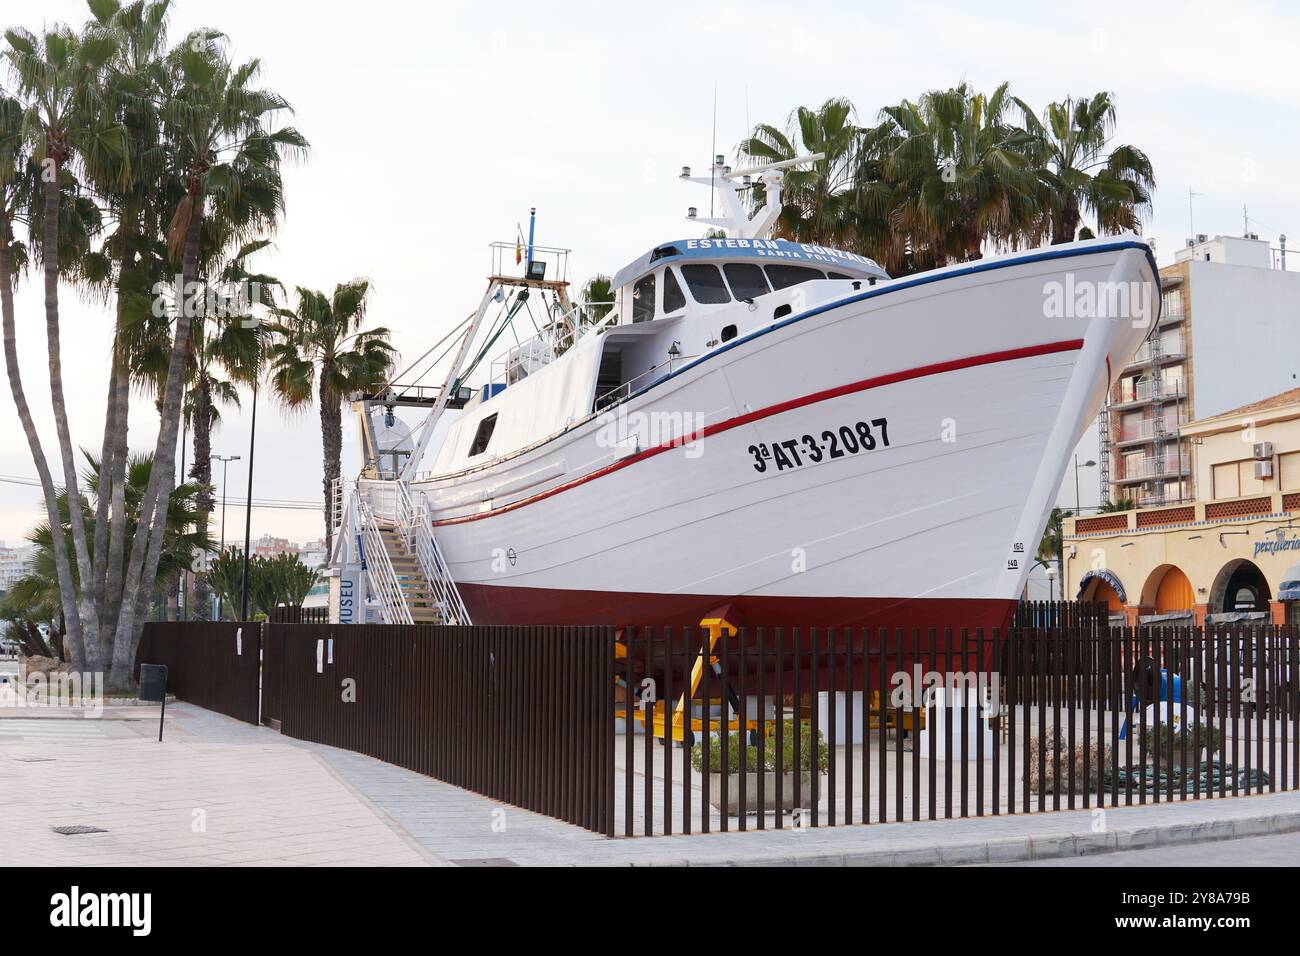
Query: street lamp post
[[248, 511], [225, 462], [1087, 464]]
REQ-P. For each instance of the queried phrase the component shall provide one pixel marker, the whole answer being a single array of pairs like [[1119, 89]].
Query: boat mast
[[737, 223]]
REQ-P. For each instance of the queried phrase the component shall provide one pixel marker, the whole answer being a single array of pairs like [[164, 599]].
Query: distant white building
[[1229, 335], [15, 563]]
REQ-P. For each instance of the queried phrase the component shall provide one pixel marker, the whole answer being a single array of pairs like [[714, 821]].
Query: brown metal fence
[[210, 663], [628, 732], [519, 714], [844, 726]]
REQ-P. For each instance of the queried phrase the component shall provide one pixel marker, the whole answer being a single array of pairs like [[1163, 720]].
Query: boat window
[[785, 276], [706, 284], [483, 435], [837, 275], [728, 333], [674, 297], [746, 280], [643, 299]]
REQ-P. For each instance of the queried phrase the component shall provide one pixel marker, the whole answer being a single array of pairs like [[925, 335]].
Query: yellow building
[[1232, 554]]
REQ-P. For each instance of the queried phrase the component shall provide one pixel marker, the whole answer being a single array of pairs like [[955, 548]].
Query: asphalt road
[[1281, 849]]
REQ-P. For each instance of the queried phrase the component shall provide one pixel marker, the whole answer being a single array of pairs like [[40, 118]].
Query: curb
[[1020, 849]]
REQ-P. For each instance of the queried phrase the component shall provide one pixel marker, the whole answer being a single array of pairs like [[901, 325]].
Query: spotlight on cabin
[[686, 172], [718, 160], [747, 180], [690, 212], [536, 270]]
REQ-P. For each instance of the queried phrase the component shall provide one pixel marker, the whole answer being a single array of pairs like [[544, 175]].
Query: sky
[[435, 126]]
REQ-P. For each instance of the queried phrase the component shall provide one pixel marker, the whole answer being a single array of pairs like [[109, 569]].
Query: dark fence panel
[[212, 664], [844, 725], [519, 714]]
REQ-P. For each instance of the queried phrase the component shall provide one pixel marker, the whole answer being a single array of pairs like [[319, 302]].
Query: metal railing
[[379, 569], [1145, 430], [563, 332], [415, 525], [650, 731], [435, 567], [788, 728]]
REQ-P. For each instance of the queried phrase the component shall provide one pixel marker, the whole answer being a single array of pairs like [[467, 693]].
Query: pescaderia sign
[[1278, 545]]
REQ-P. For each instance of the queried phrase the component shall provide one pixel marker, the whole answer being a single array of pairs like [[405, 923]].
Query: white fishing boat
[[771, 431]]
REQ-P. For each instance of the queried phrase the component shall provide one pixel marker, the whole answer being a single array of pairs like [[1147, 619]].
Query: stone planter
[[772, 793]]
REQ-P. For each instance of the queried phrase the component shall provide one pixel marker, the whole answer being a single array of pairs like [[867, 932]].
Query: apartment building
[[1229, 334]]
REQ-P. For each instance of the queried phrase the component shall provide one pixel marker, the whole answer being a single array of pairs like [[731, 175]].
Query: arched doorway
[[1239, 586], [1103, 586], [1168, 591]]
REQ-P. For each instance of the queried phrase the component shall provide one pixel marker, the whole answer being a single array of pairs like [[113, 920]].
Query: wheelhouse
[[697, 275]]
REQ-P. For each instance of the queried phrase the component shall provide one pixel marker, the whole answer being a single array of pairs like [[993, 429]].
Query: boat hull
[[885, 461]]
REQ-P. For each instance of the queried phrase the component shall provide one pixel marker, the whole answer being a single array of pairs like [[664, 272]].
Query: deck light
[[686, 172], [718, 160], [536, 269], [747, 180], [691, 212]]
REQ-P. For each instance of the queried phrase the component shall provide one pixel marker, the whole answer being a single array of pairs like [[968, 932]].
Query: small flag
[[519, 252]]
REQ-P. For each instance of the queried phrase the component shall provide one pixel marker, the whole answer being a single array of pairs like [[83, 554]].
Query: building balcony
[[1145, 431], [1144, 469], [1170, 318], [1147, 393], [1172, 349]]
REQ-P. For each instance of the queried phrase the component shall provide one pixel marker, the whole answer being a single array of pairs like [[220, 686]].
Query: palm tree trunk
[[99, 553], [111, 603], [201, 471], [331, 429], [146, 549], [50, 257], [1066, 227], [62, 564]]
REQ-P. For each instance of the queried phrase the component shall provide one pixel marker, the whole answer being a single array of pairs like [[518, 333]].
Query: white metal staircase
[[405, 570]]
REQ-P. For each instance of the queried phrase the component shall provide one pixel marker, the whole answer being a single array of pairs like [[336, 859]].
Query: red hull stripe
[[990, 358]]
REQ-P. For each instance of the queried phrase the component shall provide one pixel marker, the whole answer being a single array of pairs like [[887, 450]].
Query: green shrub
[[736, 745], [1170, 741]]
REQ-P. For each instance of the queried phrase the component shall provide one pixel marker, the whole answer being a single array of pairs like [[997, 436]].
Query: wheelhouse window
[[483, 435], [674, 297], [643, 299], [706, 284], [782, 277], [746, 280]]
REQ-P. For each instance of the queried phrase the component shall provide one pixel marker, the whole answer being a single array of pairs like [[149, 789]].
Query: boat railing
[[504, 265], [636, 383], [560, 335]]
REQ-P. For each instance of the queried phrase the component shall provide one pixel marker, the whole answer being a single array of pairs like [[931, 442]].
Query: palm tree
[[215, 125], [36, 594], [958, 165], [135, 190], [817, 202], [1078, 170], [60, 74], [322, 339]]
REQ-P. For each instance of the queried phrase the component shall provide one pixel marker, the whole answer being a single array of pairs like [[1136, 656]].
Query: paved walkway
[[220, 792], [190, 800]]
